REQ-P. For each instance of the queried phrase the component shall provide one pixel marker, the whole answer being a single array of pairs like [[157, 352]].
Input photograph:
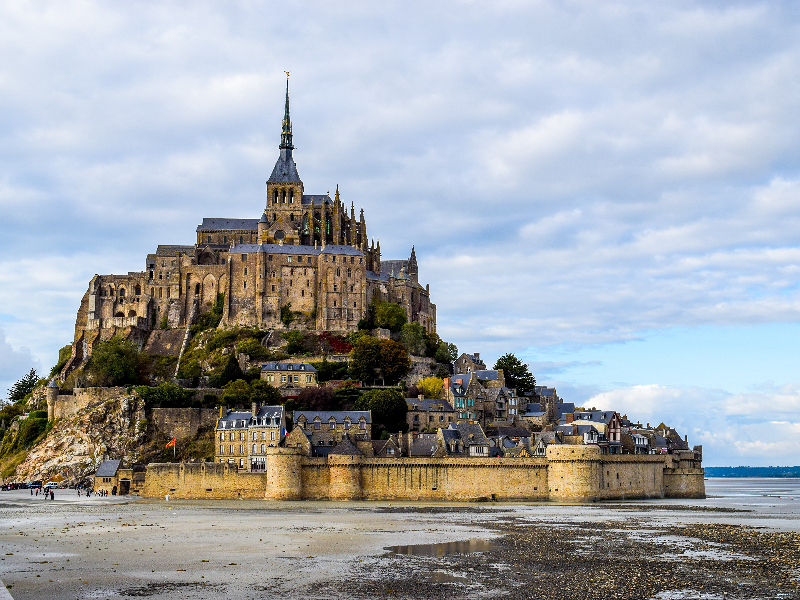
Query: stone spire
[[285, 170], [286, 130]]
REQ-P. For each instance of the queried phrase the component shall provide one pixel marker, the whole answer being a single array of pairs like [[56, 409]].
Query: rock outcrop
[[114, 427]]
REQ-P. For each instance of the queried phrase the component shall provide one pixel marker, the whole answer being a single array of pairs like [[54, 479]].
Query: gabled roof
[[345, 447], [223, 223], [339, 415], [426, 446], [505, 431], [469, 433], [108, 468], [429, 404]]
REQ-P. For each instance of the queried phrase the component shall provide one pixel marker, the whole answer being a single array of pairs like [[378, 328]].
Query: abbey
[[306, 254]]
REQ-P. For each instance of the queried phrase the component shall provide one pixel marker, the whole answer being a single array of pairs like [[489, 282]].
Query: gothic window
[[254, 448], [275, 197], [160, 292], [291, 199], [138, 290]]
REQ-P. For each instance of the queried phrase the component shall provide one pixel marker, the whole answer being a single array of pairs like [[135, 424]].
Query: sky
[[609, 190]]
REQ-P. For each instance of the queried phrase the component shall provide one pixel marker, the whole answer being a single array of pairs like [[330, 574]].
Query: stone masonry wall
[[67, 405], [182, 423], [587, 476]]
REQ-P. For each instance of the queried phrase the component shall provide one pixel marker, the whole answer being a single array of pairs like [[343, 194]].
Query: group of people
[[48, 494]]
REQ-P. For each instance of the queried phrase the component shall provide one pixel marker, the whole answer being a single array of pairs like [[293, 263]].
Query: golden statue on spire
[[287, 75]]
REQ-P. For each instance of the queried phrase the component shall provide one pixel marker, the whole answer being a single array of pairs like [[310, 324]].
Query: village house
[[425, 413], [467, 363], [463, 439], [242, 437], [289, 376], [326, 428]]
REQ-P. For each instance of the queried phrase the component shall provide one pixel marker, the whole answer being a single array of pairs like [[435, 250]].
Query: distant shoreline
[[752, 471]]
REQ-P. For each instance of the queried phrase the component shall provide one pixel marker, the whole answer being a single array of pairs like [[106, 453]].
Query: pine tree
[[516, 374], [23, 387]]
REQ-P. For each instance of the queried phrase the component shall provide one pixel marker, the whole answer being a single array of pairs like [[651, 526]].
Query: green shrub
[[115, 362], [29, 430], [38, 414], [253, 349], [189, 369], [166, 395], [287, 316]]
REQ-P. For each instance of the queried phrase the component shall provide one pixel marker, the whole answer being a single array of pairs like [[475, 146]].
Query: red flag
[[171, 444]]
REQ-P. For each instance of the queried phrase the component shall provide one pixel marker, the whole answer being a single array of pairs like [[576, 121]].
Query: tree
[[365, 358], [395, 362], [442, 372], [413, 337], [388, 408], [253, 349], [287, 316], [446, 353], [390, 315], [23, 387], [264, 393], [115, 362], [432, 387], [317, 398], [237, 393], [516, 374], [347, 396], [230, 372]]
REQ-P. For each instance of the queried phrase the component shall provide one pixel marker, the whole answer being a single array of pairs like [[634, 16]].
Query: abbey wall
[[568, 473]]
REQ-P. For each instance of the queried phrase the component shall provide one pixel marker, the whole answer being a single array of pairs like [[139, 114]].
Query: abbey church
[[306, 252]]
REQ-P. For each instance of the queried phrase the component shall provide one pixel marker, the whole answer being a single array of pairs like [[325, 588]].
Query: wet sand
[[743, 546]]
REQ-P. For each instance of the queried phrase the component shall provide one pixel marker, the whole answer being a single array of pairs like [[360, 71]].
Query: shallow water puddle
[[444, 548]]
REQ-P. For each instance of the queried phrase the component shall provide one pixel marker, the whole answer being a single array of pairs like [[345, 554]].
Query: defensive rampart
[[568, 473]]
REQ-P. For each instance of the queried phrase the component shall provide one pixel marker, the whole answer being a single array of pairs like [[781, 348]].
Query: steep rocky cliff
[[113, 428]]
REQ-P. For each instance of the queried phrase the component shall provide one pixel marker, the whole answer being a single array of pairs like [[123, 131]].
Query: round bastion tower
[[52, 398], [284, 474]]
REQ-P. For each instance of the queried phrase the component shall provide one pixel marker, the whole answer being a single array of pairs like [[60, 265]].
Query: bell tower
[[284, 209]]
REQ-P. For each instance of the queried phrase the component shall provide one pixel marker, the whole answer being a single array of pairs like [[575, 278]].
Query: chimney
[[574, 429], [223, 410], [686, 439], [477, 355], [447, 383], [421, 396], [570, 417], [460, 381], [254, 408]]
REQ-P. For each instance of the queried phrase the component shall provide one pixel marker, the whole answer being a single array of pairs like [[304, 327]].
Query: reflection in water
[[444, 548]]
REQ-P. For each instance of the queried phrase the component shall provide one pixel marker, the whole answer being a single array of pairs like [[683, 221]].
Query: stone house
[[425, 413], [329, 427], [467, 394], [287, 376], [467, 363], [112, 478], [242, 437], [423, 444], [463, 439]]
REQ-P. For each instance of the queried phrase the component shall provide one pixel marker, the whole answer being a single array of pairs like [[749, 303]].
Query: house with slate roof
[[464, 439], [306, 250], [289, 377], [425, 413], [326, 428], [467, 363], [242, 437]]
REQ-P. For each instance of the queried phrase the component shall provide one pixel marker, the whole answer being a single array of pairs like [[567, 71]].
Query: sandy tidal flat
[[734, 545]]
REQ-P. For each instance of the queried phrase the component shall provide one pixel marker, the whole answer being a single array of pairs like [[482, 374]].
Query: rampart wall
[[66, 406], [577, 474]]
